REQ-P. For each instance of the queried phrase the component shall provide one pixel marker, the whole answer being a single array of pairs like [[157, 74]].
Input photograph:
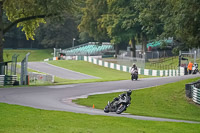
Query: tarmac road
[[58, 71], [59, 97]]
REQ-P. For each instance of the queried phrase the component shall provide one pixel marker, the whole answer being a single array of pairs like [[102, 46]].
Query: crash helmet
[[129, 92]]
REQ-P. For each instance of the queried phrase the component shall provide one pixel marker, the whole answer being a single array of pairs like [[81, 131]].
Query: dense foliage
[[29, 14], [118, 21], [142, 20]]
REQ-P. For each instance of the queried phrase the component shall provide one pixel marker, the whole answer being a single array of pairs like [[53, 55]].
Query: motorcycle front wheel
[[121, 109], [106, 109]]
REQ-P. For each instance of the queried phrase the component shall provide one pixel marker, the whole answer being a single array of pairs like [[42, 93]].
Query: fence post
[[14, 64], [54, 52], [24, 72]]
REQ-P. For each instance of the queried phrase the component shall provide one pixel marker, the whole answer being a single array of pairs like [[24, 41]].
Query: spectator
[[190, 67]]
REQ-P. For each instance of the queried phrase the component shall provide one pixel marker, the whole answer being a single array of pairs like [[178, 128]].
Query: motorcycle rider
[[133, 70], [134, 67], [126, 94], [115, 102]]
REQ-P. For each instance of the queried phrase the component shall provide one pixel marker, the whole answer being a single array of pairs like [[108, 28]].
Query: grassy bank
[[103, 73], [167, 101], [19, 119]]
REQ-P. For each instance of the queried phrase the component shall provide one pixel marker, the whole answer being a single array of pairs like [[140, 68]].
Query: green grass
[[19, 119], [167, 101], [35, 55], [163, 101], [40, 55], [104, 74]]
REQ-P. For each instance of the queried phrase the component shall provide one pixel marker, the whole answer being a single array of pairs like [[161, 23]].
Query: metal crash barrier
[[193, 91], [8, 80], [8, 72]]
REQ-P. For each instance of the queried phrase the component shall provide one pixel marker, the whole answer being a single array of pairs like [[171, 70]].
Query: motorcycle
[[134, 75], [119, 104], [195, 69]]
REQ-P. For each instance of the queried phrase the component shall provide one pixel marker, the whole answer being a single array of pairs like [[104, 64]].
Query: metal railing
[[129, 61], [193, 91], [8, 80]]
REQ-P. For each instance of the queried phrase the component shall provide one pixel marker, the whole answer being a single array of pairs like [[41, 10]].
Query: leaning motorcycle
[[119, 104]]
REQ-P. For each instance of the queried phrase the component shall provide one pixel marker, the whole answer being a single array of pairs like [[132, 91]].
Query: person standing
[[190, 67]]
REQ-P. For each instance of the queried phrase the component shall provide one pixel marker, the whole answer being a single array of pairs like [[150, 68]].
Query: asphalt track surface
[[60, 97], [58, 71]]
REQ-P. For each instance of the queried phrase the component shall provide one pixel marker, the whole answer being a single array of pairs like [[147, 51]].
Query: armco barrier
[[8, 80], [2, 80], [192, 91], [178, 72]]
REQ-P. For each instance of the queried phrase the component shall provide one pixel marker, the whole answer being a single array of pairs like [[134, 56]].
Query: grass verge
[[19, 119], [167, 101], [104, 74], [35, 55]]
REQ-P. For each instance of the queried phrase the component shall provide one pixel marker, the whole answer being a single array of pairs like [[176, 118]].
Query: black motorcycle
[[134, 75], [119, 104]]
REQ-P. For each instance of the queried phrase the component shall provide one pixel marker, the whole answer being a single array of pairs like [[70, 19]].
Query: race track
[[59, 97], [58, 71]]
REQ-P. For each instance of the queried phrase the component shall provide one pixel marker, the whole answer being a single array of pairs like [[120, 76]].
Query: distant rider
[[134, 72], [133, 68]]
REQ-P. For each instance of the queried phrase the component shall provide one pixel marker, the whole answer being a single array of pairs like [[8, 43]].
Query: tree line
[[54, 23], [137, 21]]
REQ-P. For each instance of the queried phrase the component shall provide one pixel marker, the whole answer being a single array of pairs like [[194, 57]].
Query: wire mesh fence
[[127, 61], [160, 66], [36, 78]]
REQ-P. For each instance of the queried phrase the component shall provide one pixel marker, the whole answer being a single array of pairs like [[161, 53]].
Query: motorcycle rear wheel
[[121, 109], [136, 77]]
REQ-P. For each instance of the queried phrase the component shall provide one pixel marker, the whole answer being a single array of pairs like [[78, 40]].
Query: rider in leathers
[[127, 95]]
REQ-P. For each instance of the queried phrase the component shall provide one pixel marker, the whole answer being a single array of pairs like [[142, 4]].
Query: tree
[[150, 13], [181, 19], [121, 23], [28, 14], [55, 34], [84, 37], [171, 18], [142, 20], [92, 12]]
